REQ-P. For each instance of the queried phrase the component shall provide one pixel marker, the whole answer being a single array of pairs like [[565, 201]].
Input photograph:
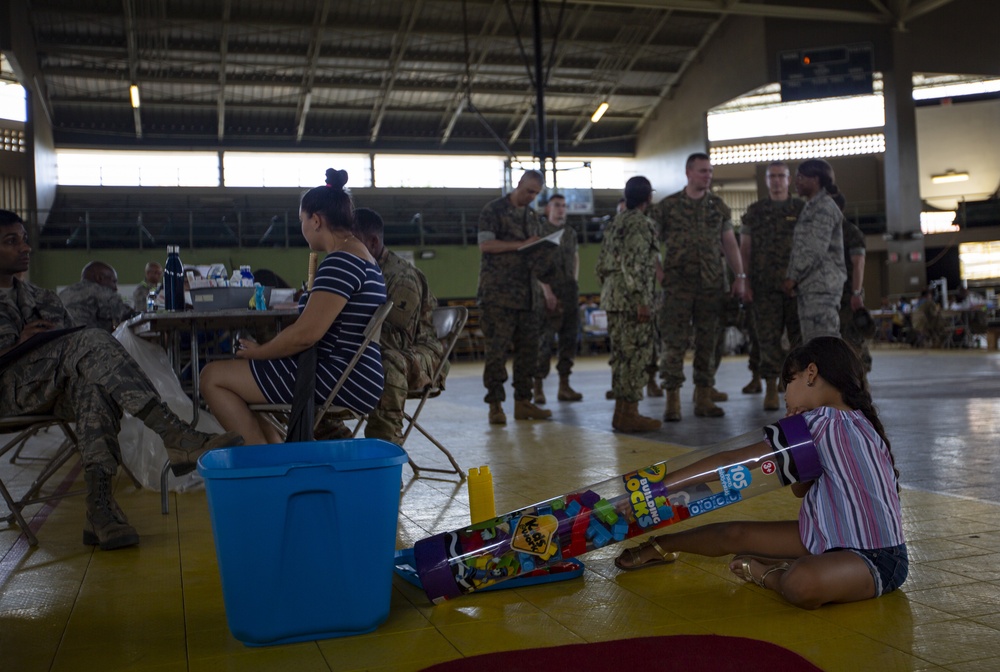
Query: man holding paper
[[507, 229]]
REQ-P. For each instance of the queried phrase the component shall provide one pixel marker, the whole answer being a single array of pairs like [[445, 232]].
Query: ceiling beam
[[721, 7], [209, 85], [306, 92], [389, 77], [133, 59], [616, 69], [918, 9], [463, 90], [223, 49], [651, 109]]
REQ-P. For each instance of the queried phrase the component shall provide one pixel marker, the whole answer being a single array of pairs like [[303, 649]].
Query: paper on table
[[553, 238]]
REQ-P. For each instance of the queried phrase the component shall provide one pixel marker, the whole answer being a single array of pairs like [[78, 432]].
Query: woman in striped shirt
[[848, 543], [346, 292]]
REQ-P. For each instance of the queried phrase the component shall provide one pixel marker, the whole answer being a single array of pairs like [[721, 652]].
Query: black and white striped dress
[[361, 283]]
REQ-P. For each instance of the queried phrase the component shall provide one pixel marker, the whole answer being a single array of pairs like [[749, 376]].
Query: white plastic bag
[[142, 449]]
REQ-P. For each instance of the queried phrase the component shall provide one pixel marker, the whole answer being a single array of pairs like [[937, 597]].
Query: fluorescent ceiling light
[[599, 112], [133, 92], [950, 176]]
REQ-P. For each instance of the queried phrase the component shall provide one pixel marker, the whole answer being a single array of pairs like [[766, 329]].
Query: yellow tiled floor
[[67, 607]]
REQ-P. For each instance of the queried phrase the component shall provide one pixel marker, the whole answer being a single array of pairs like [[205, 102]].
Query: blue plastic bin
[[305, 535]]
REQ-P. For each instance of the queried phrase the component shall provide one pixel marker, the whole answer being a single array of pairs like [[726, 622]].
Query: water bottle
[[173, 279], [247, 276], [151, 301]]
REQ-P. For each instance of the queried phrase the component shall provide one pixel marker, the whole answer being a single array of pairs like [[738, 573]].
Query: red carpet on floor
[[679, 653]]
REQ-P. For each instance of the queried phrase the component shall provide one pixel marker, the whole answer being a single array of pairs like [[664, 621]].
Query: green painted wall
[[452, 273]]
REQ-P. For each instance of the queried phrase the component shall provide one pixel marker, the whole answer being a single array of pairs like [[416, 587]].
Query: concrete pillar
[[905, 259]]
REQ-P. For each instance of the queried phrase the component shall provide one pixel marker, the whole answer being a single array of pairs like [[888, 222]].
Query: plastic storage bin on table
[[305, 535]]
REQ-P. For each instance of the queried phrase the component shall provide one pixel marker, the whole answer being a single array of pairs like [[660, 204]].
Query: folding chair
[[24, 428], [449, 321], [277, 414]]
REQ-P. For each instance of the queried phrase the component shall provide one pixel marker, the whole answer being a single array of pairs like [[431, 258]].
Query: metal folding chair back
[[449, 321]]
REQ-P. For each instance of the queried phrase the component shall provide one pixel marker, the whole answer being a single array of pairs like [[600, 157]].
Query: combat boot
[[616, 418], [714, 393], [630, 422], [771, 400], [673, 411], [753, 387], [107, 525], [497, 416], [567, 393], [525, 410], [184, 443], [538, 394], [704, 407], [652, 389]]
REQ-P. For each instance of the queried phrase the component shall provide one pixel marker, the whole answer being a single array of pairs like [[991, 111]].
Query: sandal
[[633, 555], [748, 576]]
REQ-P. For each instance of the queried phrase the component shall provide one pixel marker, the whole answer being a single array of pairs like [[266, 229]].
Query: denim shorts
[[889, 566]]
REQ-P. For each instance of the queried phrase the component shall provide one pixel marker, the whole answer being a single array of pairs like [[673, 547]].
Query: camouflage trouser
[[728, 317], [682, 308], [564, 326], [774, 313], [819, 315], [86, 377], [751, 331], [849, 332], [403, 372], [504, 328], [631, 348]]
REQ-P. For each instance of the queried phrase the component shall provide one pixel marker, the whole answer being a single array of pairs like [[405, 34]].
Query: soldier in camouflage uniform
[[853, 298], [505, 295], [85, 377], [411, 351], [94, 301], [693, 223], [563, 319], [150, 283], [816, 272], [626, 267], [766, 234]]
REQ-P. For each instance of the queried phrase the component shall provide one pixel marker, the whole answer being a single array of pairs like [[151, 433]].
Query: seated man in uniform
[[94, 301], [411, 350], [151, 283], [85, 377]]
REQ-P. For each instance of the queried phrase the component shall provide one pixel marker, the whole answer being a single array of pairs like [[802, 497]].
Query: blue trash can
[[305, 535]]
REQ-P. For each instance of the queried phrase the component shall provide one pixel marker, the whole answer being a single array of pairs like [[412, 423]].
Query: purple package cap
[[794, 448]]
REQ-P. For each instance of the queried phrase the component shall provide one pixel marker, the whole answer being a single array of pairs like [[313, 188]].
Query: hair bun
[[336, 178]]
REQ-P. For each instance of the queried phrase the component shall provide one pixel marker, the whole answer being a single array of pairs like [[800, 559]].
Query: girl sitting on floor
[[847, 544]]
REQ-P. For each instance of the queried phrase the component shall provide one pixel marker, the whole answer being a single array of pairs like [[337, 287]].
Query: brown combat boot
[[525, 410], [753, 387], [673, 411], [630, 422], [567, 393], [616, 418], [704, 407], [184, 443], [497, 416], [714, 393], [107, 525], [771, 400], [537, 393], [652, 389]]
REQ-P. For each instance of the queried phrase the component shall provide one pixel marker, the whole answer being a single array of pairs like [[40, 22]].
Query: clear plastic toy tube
[[455, 563]]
